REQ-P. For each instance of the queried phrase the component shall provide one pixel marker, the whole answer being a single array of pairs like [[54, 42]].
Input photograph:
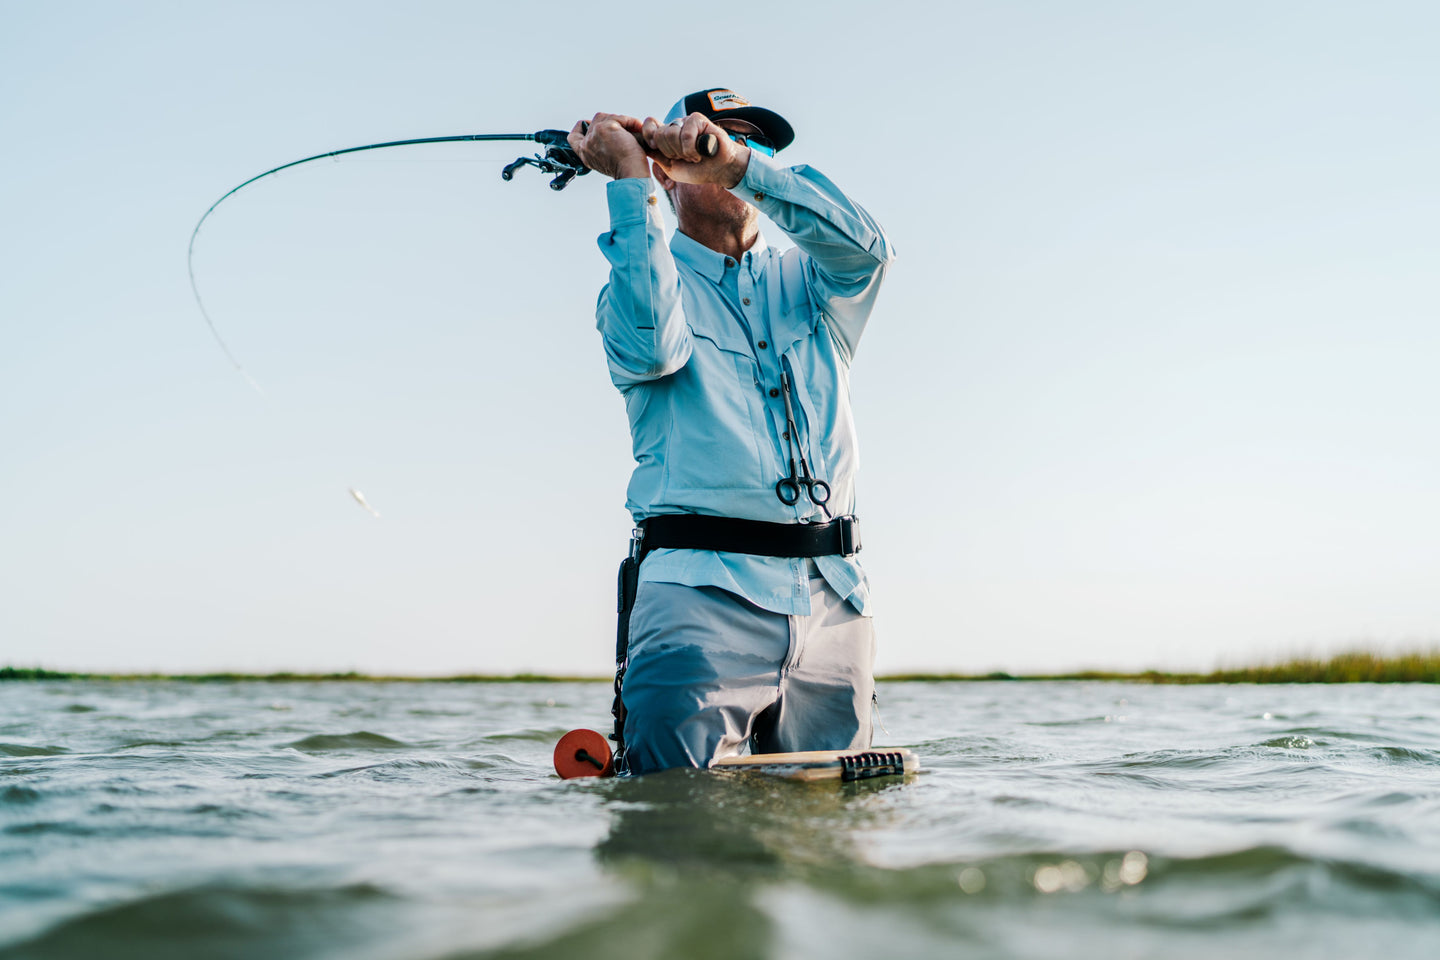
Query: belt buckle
[[849, 535]]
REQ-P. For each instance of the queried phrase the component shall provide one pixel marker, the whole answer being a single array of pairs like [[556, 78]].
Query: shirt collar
[[710, 264]]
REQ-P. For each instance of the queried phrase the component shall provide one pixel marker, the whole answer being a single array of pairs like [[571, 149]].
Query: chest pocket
[[716, 419]]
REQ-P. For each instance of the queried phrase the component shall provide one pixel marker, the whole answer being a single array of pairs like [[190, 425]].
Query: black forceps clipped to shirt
[[788, 488]]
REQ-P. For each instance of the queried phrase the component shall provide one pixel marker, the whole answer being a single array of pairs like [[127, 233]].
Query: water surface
[[424, 822]]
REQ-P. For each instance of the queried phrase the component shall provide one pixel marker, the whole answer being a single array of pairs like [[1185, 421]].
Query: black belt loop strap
[[689, 531]]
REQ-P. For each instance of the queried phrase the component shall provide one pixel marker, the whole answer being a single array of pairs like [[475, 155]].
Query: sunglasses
[[755, 142]]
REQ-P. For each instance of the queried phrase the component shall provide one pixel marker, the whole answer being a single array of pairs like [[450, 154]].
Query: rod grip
[[708, 144]]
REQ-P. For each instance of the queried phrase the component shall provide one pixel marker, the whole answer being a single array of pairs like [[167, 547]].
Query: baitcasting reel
[[558, 159]]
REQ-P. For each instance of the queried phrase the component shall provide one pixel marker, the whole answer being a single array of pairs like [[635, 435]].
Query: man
[[748, 622]]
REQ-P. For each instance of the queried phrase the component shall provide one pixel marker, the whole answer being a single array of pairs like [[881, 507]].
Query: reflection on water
[[405, 821], [755, 827], [698, 852]]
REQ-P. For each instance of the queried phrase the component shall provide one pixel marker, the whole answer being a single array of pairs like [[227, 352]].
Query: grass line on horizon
[[1350, 667]]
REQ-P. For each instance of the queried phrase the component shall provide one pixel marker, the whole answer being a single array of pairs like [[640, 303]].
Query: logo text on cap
[[726, 100]]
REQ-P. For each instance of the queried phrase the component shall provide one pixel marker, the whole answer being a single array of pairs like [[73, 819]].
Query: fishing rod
[[559, 159]]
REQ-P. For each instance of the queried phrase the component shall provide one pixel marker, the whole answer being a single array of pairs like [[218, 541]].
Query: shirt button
[[729, 262], [774, 392], [746, 301], [759, 196], [652, 199], [763, 344]]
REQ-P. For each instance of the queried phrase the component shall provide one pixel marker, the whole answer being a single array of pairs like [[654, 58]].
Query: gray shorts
[[711, 672]]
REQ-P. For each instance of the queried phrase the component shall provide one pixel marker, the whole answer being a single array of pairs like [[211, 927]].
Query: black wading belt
[[688, 531]]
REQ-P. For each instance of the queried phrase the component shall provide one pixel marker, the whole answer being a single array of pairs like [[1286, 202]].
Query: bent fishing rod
[[559, 159]]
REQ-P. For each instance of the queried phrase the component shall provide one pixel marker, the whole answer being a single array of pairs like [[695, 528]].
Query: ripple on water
[[1292, 742], [1179, 891], [1207, 889], [546, 735], [402, 768], [17, 795], [219, 736], [27, 750], [1132, 778], [1073, 721], [1330, 734], [359, 740], [201, 921], [1406, 755], [1390, 798], [493, 761], [1176, 759], [66, 828], [977, 750]]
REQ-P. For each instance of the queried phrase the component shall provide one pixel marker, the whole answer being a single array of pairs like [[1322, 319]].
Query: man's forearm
[[639, 313], [847, 250], [848, 243]]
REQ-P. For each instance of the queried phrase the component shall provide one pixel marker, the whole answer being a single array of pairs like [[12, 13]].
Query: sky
[[1151, 385]]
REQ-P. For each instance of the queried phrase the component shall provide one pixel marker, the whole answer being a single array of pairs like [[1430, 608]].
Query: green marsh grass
[[1357, 666]]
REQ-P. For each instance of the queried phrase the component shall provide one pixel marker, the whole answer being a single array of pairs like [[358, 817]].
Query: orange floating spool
[[583, 753]]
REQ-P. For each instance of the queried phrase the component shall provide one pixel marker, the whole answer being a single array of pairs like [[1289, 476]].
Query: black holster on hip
[[627, 582]]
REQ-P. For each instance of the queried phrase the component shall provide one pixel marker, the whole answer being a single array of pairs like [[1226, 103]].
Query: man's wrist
[[634, 170], [735, 169]]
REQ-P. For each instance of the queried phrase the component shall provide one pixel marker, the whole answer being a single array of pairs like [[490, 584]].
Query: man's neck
[[729, 240]]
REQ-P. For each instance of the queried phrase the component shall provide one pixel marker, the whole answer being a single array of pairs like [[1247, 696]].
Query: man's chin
[[719, 204]]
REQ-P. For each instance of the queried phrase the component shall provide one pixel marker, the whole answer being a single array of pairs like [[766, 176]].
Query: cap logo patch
[[726, 100]]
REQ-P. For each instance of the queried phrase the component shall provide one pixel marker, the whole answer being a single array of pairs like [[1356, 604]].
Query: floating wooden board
[[825, 764]]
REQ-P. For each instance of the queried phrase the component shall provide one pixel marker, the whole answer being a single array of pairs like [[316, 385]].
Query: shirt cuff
[[630, 200], [763, 177]]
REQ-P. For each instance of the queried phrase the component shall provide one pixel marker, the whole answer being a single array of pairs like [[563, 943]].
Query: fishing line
[[558, 159], [194, 234]]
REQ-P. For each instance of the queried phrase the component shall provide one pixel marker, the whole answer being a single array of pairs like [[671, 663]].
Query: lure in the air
[[360, 499]]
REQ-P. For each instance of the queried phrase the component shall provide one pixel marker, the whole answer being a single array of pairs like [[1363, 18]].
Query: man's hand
[[674, 149], [611, 145]]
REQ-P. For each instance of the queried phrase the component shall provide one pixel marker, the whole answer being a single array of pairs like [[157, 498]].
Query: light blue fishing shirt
[[696, 343]]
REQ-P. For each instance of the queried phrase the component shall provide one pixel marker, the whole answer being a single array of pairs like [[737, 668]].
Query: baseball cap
[[719, 103]]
